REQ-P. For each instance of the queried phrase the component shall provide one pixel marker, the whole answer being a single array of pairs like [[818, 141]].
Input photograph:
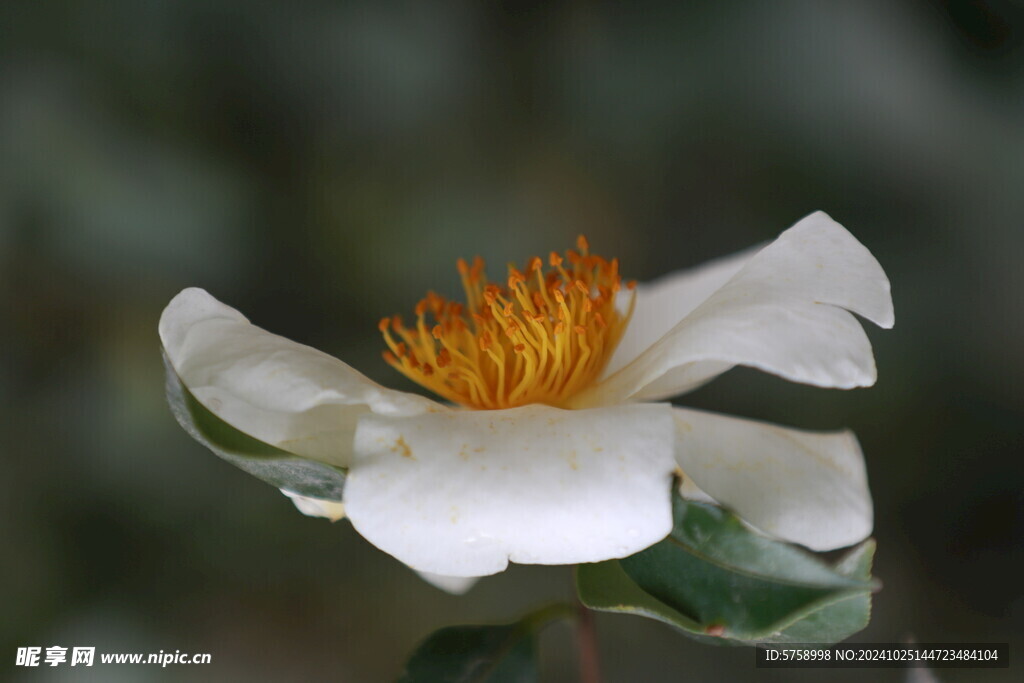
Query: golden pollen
[[541, 337]]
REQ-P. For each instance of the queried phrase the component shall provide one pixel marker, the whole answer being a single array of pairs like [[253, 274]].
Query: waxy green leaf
[[838, 620], [476, 654], [273, 465], [605, 587], [458, 654], [718, 581]]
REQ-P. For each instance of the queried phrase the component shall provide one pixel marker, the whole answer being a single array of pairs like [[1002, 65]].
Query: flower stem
[[586, 634]]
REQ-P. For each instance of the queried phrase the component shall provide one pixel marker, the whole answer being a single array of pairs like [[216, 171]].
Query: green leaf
[[732, 580], [474, 654], [604, 586], [719, 582], [273, 465], [842, 618]]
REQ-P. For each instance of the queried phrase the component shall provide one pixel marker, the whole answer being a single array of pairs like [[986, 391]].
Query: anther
[[476, 270]]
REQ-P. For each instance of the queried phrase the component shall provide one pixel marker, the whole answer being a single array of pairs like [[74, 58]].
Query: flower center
[[542, 338]]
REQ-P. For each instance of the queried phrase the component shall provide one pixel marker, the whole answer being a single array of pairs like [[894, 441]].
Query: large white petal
[[281, 392], [664, 302], [463, 492], [804, 487], [786, 311]]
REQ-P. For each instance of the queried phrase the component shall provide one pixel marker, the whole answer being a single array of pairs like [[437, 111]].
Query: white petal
[[456, 585], [317, 507], [804, 487], [281, 392], [664, 302], [461, 493], [785, 312]]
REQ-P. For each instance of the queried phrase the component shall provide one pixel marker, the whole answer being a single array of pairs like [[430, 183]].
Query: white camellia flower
[[553, 449]]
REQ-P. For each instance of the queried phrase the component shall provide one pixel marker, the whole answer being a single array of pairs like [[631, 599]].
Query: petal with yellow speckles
[[463, 493]]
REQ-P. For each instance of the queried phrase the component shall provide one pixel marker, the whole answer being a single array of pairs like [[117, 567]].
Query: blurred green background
[[320, 165]]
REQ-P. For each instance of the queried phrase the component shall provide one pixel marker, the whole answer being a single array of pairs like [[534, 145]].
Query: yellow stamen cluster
[[544, 336]]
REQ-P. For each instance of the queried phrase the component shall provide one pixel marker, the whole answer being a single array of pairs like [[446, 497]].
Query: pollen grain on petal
[[506, 345]]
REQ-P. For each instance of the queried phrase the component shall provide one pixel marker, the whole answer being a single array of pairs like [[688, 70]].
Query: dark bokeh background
[[319, 165]]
